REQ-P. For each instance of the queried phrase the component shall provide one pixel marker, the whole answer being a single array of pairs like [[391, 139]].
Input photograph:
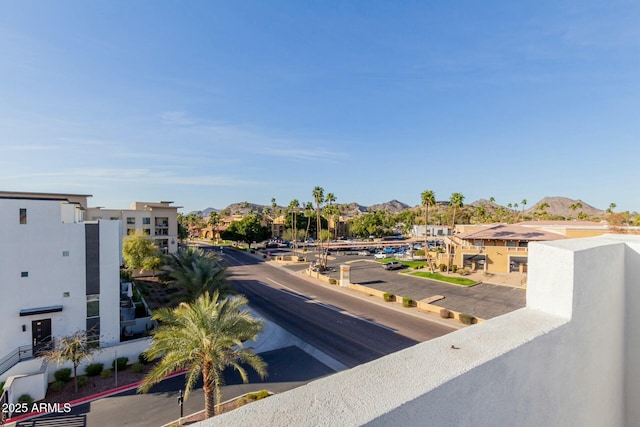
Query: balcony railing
[[19, 354]]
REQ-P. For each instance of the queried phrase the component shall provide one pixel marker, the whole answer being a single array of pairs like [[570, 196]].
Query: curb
[[91, 398]]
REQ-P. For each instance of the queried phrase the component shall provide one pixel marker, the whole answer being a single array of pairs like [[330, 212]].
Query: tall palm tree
[[205, 337], [318, 197], [456, 200], [308, 210], [294, 205], [428, 198], [214, 220], [330, 199], [524, 203]]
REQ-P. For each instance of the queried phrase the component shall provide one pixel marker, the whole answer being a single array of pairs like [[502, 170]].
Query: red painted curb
[[91, 398]]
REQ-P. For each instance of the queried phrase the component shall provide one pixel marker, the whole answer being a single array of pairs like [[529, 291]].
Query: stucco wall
[[568, 358]]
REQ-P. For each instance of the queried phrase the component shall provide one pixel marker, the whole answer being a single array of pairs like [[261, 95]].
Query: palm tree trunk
[[209, 402]]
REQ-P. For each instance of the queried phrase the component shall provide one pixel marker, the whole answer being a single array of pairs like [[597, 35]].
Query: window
[[114, 218], [65, 253], [23, 216], [131, 231], [66, 294], [146, 231], [24, 274], [146, 221], [511, 243], [131, 220], [93, 306]]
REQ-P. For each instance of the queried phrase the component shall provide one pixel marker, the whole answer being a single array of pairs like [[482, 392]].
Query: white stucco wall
[[37, 248], [568, 358], [110, 250]]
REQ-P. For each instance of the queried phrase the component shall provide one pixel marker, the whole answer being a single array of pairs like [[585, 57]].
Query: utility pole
[[180, 402]]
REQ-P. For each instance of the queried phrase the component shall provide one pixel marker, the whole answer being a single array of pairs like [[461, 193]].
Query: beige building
[[159, 220]]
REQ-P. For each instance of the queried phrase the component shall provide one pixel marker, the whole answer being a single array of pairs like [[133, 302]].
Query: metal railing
[[19, 354]]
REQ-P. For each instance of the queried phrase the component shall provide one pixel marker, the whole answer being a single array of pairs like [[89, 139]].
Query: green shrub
[[467, 319], [83, 380], [389, 297], [257, 395], [94, 369], [63, 375], [252, 251], [454, 268], [407, 302], [142, 358], [106, 373], [56, 386], [442, 268], [264, 256], [26, 398], [137, 368], [122, 363], [444, 313], [420, 252], [125, 275]]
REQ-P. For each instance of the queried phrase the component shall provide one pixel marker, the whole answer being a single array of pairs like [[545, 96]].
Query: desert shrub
[[83, 380], [56, 386], [466, 319], [94, 369], [464, 272], [137, 368], [332, 281], [389, 297], [122, 363], [444, 313], [257, 395], [26, 398], [106, 373], [407, 302], [63, 375], [420, 252], [142, 358], [442, 267], [454, 268]]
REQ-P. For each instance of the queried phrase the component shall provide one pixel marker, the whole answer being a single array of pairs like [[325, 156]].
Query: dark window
[[24, 274], [131, 220], [146, 221], [23, 216], [93, 306]]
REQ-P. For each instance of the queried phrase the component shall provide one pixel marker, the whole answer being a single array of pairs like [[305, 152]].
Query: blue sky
[[210, 103]]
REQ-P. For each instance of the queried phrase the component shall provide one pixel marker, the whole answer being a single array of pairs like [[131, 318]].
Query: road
[[350, 329]]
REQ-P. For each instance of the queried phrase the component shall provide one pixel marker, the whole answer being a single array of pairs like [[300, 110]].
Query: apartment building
[[59, 273], [157, 220]]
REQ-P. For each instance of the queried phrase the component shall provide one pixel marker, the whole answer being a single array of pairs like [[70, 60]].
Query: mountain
[[393, 206], [562, 206]]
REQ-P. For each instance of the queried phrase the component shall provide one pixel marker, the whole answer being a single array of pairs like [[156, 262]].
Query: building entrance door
[[41, 333]]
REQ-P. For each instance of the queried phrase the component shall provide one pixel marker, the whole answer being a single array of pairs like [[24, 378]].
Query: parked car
[[390, 250], [393, 265], [380, 255], [364, 253]]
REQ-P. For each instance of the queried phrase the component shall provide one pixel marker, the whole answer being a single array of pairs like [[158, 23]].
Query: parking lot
[[484, 300]]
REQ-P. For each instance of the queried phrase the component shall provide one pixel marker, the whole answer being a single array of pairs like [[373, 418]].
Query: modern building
[[571, 357], [59, 274], [157, 220]]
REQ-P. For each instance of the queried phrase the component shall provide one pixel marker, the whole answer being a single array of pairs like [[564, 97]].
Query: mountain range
[[557, 206]]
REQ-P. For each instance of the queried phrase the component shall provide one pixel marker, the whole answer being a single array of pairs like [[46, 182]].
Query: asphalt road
[[349, 329]]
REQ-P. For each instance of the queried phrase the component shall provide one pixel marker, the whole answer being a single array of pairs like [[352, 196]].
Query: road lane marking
[[311, 300]]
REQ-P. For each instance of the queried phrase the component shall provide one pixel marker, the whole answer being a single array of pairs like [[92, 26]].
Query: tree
[[308, 211], [204, 337], [294, 205], [541, 210], [74, 348], [318, 197], [193, 272], [248, 229], [576, 205], [524, 203], [137, 249], [428, 198], [612, 206], [456, 200], [213, 222]]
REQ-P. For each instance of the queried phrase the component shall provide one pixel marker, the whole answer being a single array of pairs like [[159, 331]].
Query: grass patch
[[437, 276]]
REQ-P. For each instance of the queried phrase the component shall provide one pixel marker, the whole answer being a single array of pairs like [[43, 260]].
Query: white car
[[363, 253], [380, 255]]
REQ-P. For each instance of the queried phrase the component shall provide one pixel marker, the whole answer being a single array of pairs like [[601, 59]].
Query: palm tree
[[428, 198], [294, 205], [524, 203], [330, 199], [612, 206], [205, 337], [318, 197], [456, 200], [308, 210], [214, 220], [193, 272], [574, 206]]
